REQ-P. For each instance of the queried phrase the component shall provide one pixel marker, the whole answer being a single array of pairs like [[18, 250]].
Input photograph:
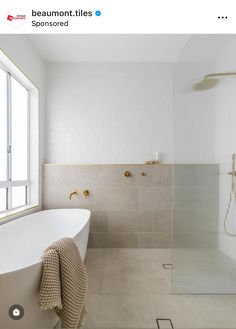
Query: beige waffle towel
[[64, 283]]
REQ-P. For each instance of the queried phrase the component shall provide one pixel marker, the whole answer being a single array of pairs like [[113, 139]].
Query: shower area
[[204, 190]]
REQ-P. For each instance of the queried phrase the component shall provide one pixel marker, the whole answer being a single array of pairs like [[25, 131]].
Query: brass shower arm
[[214, 75]]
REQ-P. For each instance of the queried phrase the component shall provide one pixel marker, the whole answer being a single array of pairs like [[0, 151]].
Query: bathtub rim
[[39, 262]]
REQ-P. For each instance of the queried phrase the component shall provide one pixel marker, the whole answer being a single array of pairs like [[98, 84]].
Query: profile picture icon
[[15, 17]]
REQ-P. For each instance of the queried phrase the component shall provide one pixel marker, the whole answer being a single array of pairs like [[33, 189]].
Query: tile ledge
[[107, 164]]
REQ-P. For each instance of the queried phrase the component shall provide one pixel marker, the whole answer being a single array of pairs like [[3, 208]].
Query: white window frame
[[32, 183], [8, 184]]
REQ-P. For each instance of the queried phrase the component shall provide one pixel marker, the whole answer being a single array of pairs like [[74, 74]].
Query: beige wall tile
[[154, 240], [115, 198], [131, 240], [195, 198], [156, 198], [68, 175], [99, 221], [184, 221], [113, 175], [184, 175], [162, 175], [97, 175], [114, 240], [107, 198], [208, 175], [59, 198], [121, 207], [162, 221], [203, 176], [90, 240], [130, 221]]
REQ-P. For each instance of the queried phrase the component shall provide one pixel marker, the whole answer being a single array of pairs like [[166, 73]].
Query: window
[[14, 142]]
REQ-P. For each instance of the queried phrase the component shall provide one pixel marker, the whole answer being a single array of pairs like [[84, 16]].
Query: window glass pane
[[3, 125], [2, 199], [18, 196], [19, 130]]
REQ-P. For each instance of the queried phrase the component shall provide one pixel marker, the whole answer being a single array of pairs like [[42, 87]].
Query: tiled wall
[[134, 212], [196, 229], [196, 206]]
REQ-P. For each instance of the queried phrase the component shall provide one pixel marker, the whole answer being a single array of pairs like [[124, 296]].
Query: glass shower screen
[[202, 263]]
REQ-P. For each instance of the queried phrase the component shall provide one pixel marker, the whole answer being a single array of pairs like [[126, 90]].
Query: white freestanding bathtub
[[22, 243]]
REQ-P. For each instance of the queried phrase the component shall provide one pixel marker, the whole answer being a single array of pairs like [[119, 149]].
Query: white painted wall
[[194, 127], [21, 51], [108, 112]]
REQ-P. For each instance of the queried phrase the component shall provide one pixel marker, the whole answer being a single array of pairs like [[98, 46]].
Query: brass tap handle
[[127, 173], [72, 193], [86, 193], [232, 173]]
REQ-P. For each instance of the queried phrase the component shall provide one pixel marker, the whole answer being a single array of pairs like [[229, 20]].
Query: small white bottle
[[157, 157]]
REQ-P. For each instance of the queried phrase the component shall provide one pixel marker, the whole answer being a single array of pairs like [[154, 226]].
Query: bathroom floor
[[129, 288], [203, 271]]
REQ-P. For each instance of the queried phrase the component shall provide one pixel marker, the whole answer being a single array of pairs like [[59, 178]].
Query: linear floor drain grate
[[164, 324], [168, 266]]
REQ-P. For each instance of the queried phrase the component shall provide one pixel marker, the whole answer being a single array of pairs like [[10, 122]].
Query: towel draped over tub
[[64, 283]]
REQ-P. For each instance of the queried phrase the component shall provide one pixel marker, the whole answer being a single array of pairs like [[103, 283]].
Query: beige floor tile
[[170, 307], [119, 261], [163, 255], [203, 270], [94, 284], [121, 311], [129, 288], [215, 310], [136, 284], [95, 261], [134, 271], [195, 312], [232, 299]]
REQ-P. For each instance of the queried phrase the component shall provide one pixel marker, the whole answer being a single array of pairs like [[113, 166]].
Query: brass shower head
[[210, 81]]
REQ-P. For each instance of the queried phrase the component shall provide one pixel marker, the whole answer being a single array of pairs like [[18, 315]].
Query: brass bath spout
[[72, 193]]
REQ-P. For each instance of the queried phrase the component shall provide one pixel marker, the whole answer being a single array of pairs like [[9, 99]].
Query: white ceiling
[[109, 48]]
